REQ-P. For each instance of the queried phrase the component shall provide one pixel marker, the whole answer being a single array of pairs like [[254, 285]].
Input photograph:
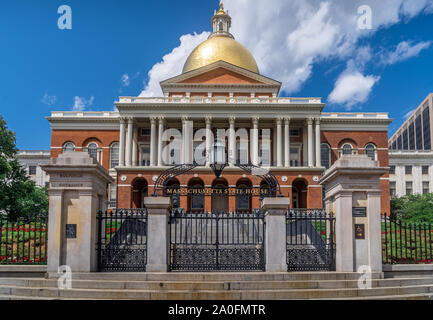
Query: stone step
[[213, 285], [218, 276], [214, 295]]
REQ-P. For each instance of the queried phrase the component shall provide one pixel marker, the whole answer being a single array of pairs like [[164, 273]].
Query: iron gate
[[122, 240], [224, 241], [310, 240]]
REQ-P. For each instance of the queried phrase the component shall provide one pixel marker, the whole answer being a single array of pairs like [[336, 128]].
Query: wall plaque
[[360, 231], [359, 212], [71, 231]]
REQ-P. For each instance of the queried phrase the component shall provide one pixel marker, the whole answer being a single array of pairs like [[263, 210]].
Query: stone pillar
[[287, 142], [78, 190], [232, 142], [157, 233], [160, 142], [353, 191], [129, 142], [275, 233], [344, 232], [209, 140], [153, 144], [122, 143], [255, 142], [279, 142], [318, 140], [310, 143]]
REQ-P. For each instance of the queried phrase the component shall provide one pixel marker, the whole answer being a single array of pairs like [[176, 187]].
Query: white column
[[417, 179], [232, 141], [287, 142], [318, 139], [374, 231], [135, 149], [209, 139], [122, 143], [129, 143], [310, 143], [255, 142], [187, 135], [160, 142], [344, 232], [153, 144], [279, 142], [400, 186]]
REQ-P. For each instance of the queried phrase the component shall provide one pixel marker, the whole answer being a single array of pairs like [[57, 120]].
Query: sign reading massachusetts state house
[[184, 191]]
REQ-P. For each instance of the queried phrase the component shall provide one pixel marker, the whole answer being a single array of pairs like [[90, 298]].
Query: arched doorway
[[173, 185], [243, 199], [139, 192], [220, 199], [196, 198], [299, 194]]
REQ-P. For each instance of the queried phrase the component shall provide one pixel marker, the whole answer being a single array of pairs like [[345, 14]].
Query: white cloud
[[405, 50], [288, 37], [172, 63], [125, 80], [352, 87], [81, 103], [48, 100]]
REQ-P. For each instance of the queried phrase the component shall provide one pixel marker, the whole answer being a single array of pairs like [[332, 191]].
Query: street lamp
[[218, 157]]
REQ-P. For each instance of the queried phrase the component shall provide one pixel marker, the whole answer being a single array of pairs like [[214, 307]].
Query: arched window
[[197, 195], [221, 27], [370, 151], [173, 185], [325, 155], [347, 149], [243, 200], [114, 155], [92, 149], [68, 147]]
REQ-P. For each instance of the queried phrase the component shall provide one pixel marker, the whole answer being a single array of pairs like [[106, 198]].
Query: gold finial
[[221, 11]]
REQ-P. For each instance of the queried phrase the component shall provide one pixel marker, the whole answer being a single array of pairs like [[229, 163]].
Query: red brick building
[[222, 95]]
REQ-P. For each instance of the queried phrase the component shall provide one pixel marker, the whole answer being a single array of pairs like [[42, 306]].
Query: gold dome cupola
[[221, 23], [221, 46]]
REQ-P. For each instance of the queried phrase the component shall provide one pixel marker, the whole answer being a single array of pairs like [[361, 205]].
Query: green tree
[[19, 196], [413, 208]]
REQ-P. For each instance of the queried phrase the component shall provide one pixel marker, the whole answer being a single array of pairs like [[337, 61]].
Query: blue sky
[[44, 68]]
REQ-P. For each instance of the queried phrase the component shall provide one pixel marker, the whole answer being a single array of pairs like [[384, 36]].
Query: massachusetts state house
[[220, 99]]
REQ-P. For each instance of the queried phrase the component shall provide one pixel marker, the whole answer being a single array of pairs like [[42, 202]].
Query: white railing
[[351, 115], [221, 100], [87, 114]]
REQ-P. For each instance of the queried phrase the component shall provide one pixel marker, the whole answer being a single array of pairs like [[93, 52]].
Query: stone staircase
[[216, 286]]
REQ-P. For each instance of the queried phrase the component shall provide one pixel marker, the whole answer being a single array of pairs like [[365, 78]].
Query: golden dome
[[219, 48], [221, 11]]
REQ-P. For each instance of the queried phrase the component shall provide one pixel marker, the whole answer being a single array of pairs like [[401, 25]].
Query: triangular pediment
[[220, 73]]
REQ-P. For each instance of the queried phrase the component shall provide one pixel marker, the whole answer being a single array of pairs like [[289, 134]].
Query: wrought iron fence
[[122, 240], [24, 241], [406, 243], [310, 240], [224, 241]]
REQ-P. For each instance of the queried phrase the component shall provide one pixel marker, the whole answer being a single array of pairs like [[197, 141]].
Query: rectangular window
[[412, 136], [295, 160], [145, 156], [144, 132], [409, 188], [426, 128], [294, 133], [391, 169], [32, 170], [405, 140], [408, 169], [425, 187], [113, 196], [418, 133], [425, 169], [394, 145], [392, 189]]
